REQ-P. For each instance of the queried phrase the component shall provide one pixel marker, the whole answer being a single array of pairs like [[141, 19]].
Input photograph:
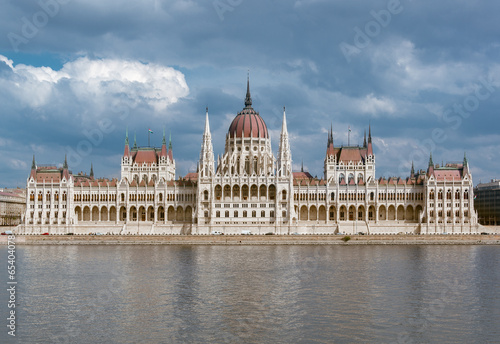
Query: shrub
[[346, 238]]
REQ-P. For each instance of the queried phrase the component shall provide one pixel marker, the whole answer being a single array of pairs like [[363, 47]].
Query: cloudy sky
[[75, 74]]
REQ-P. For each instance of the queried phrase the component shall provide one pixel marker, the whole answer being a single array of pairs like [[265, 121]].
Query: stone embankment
[[473, 239]]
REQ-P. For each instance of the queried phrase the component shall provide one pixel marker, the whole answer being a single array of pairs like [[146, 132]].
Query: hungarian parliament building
[[250, 190]]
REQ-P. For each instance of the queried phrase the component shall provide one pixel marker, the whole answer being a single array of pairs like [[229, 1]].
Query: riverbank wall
[[469, 239]]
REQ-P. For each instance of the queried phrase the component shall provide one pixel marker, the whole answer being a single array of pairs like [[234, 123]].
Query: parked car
[[7, 233], [246, 232], [45, 233], [216, 233]]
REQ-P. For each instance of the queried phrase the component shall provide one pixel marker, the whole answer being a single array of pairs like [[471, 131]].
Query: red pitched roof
[[145, 156], [448, 174], [350, 154], [302, 175], [191, 176]]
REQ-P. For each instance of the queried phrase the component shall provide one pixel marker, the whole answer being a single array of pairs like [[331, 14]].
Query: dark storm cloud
[[407, 80]]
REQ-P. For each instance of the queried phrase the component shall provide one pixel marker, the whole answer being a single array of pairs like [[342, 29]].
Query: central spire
[[248, 99]]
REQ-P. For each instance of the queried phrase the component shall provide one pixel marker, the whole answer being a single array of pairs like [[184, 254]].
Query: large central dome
[[248, 122]]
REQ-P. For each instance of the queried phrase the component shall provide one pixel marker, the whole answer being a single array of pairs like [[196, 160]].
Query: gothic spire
[[284, 153], [126, 137], [369, 133], [431, 163], [412, 172], [135, 141], [163, 142], [65, 166], [170, 142], [207, 124], [364, 140], [91, 171], [248, 99], [206, 163], [33, 164]]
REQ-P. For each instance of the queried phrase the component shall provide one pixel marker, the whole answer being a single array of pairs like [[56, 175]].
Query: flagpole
[[148, 138], [349, 136]]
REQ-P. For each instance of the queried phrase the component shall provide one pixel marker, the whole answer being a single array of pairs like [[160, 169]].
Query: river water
[[254, 294]]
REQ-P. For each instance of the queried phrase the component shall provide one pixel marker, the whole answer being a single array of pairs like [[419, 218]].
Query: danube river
[[254, 294]]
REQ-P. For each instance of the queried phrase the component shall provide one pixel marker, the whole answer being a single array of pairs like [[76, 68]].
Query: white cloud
[[373, 105], [97, 81]]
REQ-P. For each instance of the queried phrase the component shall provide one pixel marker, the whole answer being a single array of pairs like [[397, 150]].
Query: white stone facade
[[248, 189]]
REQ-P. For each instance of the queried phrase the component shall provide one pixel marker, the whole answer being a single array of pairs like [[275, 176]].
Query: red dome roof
[[248, 122]]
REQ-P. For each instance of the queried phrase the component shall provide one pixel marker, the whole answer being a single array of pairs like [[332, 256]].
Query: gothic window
[[341, 178], [205, 195], [254, 213], [272, 192], [236, 213], [283, 193], [332, 196], [360, 178], [227, 191], [263, 213], [244, 213], [226, 213], [244, 190], [218, 192], [217, 213], [253, 191]]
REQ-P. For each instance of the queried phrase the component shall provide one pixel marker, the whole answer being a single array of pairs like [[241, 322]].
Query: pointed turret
[[369, 145], [65, 165], [33, 168], [207, 152], [163, 153], [302, 166], [248, 98], [284, 153], [91, 171], [430, 169], [329, 147], [412, 172], [126, 151], [135, 141], [170, 152], [465, 166], [364, 140]]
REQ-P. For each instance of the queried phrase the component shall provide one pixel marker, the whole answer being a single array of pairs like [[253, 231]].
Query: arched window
[[332, 196], [205, 195], [341, 178], [283, 193]]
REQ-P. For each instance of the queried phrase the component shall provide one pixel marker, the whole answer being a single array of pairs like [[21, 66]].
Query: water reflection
[[247, 294]]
